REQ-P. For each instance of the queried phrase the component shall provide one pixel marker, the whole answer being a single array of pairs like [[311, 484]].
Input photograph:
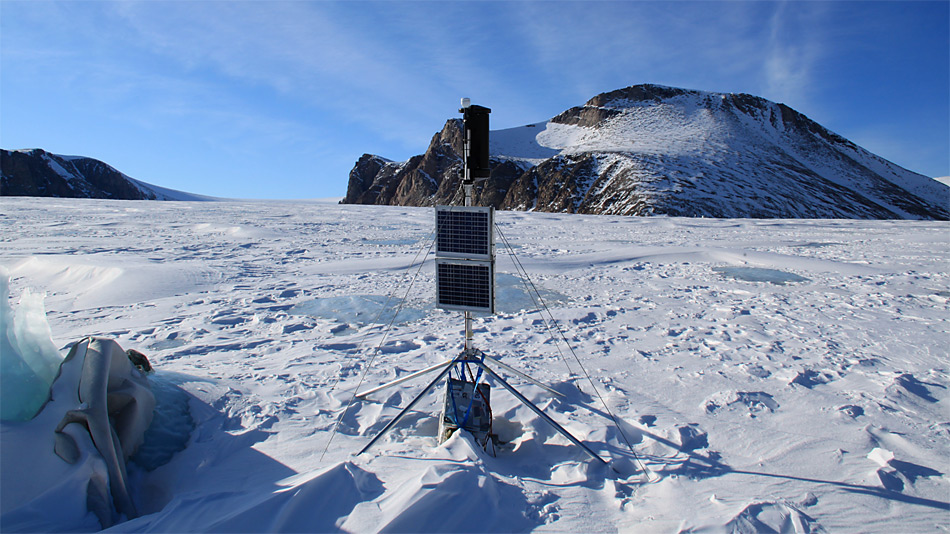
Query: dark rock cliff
[[39, 173], [433, 178]]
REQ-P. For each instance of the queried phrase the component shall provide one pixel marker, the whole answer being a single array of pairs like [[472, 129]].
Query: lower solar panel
[[465, 285]]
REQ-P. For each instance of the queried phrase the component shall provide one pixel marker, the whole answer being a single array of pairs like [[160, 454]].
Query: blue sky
[[273, 99]]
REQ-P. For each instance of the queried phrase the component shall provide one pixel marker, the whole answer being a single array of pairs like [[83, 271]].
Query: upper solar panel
[[464, 232]]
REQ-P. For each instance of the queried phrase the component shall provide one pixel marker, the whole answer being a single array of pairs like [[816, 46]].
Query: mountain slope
[[39, 173], [652, 150]]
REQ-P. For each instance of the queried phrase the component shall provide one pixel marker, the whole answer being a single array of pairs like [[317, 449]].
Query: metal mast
[[475, 164]]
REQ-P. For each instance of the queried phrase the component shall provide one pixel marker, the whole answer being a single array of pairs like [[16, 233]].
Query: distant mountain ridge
[[655, 150], [36, 172]]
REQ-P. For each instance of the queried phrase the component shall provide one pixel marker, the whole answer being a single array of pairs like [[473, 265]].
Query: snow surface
[[770, 374], [522, 144]]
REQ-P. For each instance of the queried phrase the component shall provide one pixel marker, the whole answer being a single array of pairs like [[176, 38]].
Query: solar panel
[[465, 285], [464, 232]]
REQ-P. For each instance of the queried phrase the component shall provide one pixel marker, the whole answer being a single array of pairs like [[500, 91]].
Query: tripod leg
[[409, 407], [540, 413], [522, 375], [427, 370]]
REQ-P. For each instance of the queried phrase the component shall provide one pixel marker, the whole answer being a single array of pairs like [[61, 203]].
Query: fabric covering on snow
[[117, 407], [100, 407]]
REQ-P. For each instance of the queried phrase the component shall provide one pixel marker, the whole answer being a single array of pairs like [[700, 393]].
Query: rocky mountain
[[39, 173], [653, 150]]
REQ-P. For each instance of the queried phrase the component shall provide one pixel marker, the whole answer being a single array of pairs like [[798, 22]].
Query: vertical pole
[[467, 186], [468, 334], [467, 182]]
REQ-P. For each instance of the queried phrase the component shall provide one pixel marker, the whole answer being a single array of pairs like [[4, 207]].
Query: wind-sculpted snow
[[783, 375]]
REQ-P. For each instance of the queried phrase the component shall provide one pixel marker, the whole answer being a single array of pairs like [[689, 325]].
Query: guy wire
[[557, 326], [388, 329]]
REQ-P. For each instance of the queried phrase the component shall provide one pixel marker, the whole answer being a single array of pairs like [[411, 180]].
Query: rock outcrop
[[39, 173], [653, 150]]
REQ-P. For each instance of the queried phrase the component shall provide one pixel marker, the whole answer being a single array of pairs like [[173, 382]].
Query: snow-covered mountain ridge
[[653, 150], [36, 172]]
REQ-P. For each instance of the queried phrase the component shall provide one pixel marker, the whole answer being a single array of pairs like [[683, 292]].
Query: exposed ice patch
[[759, 274], [511, 296]]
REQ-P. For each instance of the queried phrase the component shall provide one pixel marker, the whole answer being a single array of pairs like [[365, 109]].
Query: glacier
[[769, 374]]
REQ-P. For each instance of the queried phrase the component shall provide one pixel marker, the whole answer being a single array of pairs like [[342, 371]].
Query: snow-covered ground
[[789, 374]]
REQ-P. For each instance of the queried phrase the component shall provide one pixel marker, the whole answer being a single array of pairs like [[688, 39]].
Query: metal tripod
[[470, 355], [464, 358]]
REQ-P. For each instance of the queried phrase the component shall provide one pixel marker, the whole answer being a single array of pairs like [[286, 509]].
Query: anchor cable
[[557, 326], [427, 246]]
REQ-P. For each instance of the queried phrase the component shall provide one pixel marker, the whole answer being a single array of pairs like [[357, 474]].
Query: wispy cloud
[[327, 56], [596, 46], [383, 76], [794, 46], [388, 68]]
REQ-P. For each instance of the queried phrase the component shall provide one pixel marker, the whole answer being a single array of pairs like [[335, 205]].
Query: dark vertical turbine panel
[[476, 123]]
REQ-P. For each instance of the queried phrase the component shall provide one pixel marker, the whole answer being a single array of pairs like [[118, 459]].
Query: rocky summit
[[38, 173], [654, 150]]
